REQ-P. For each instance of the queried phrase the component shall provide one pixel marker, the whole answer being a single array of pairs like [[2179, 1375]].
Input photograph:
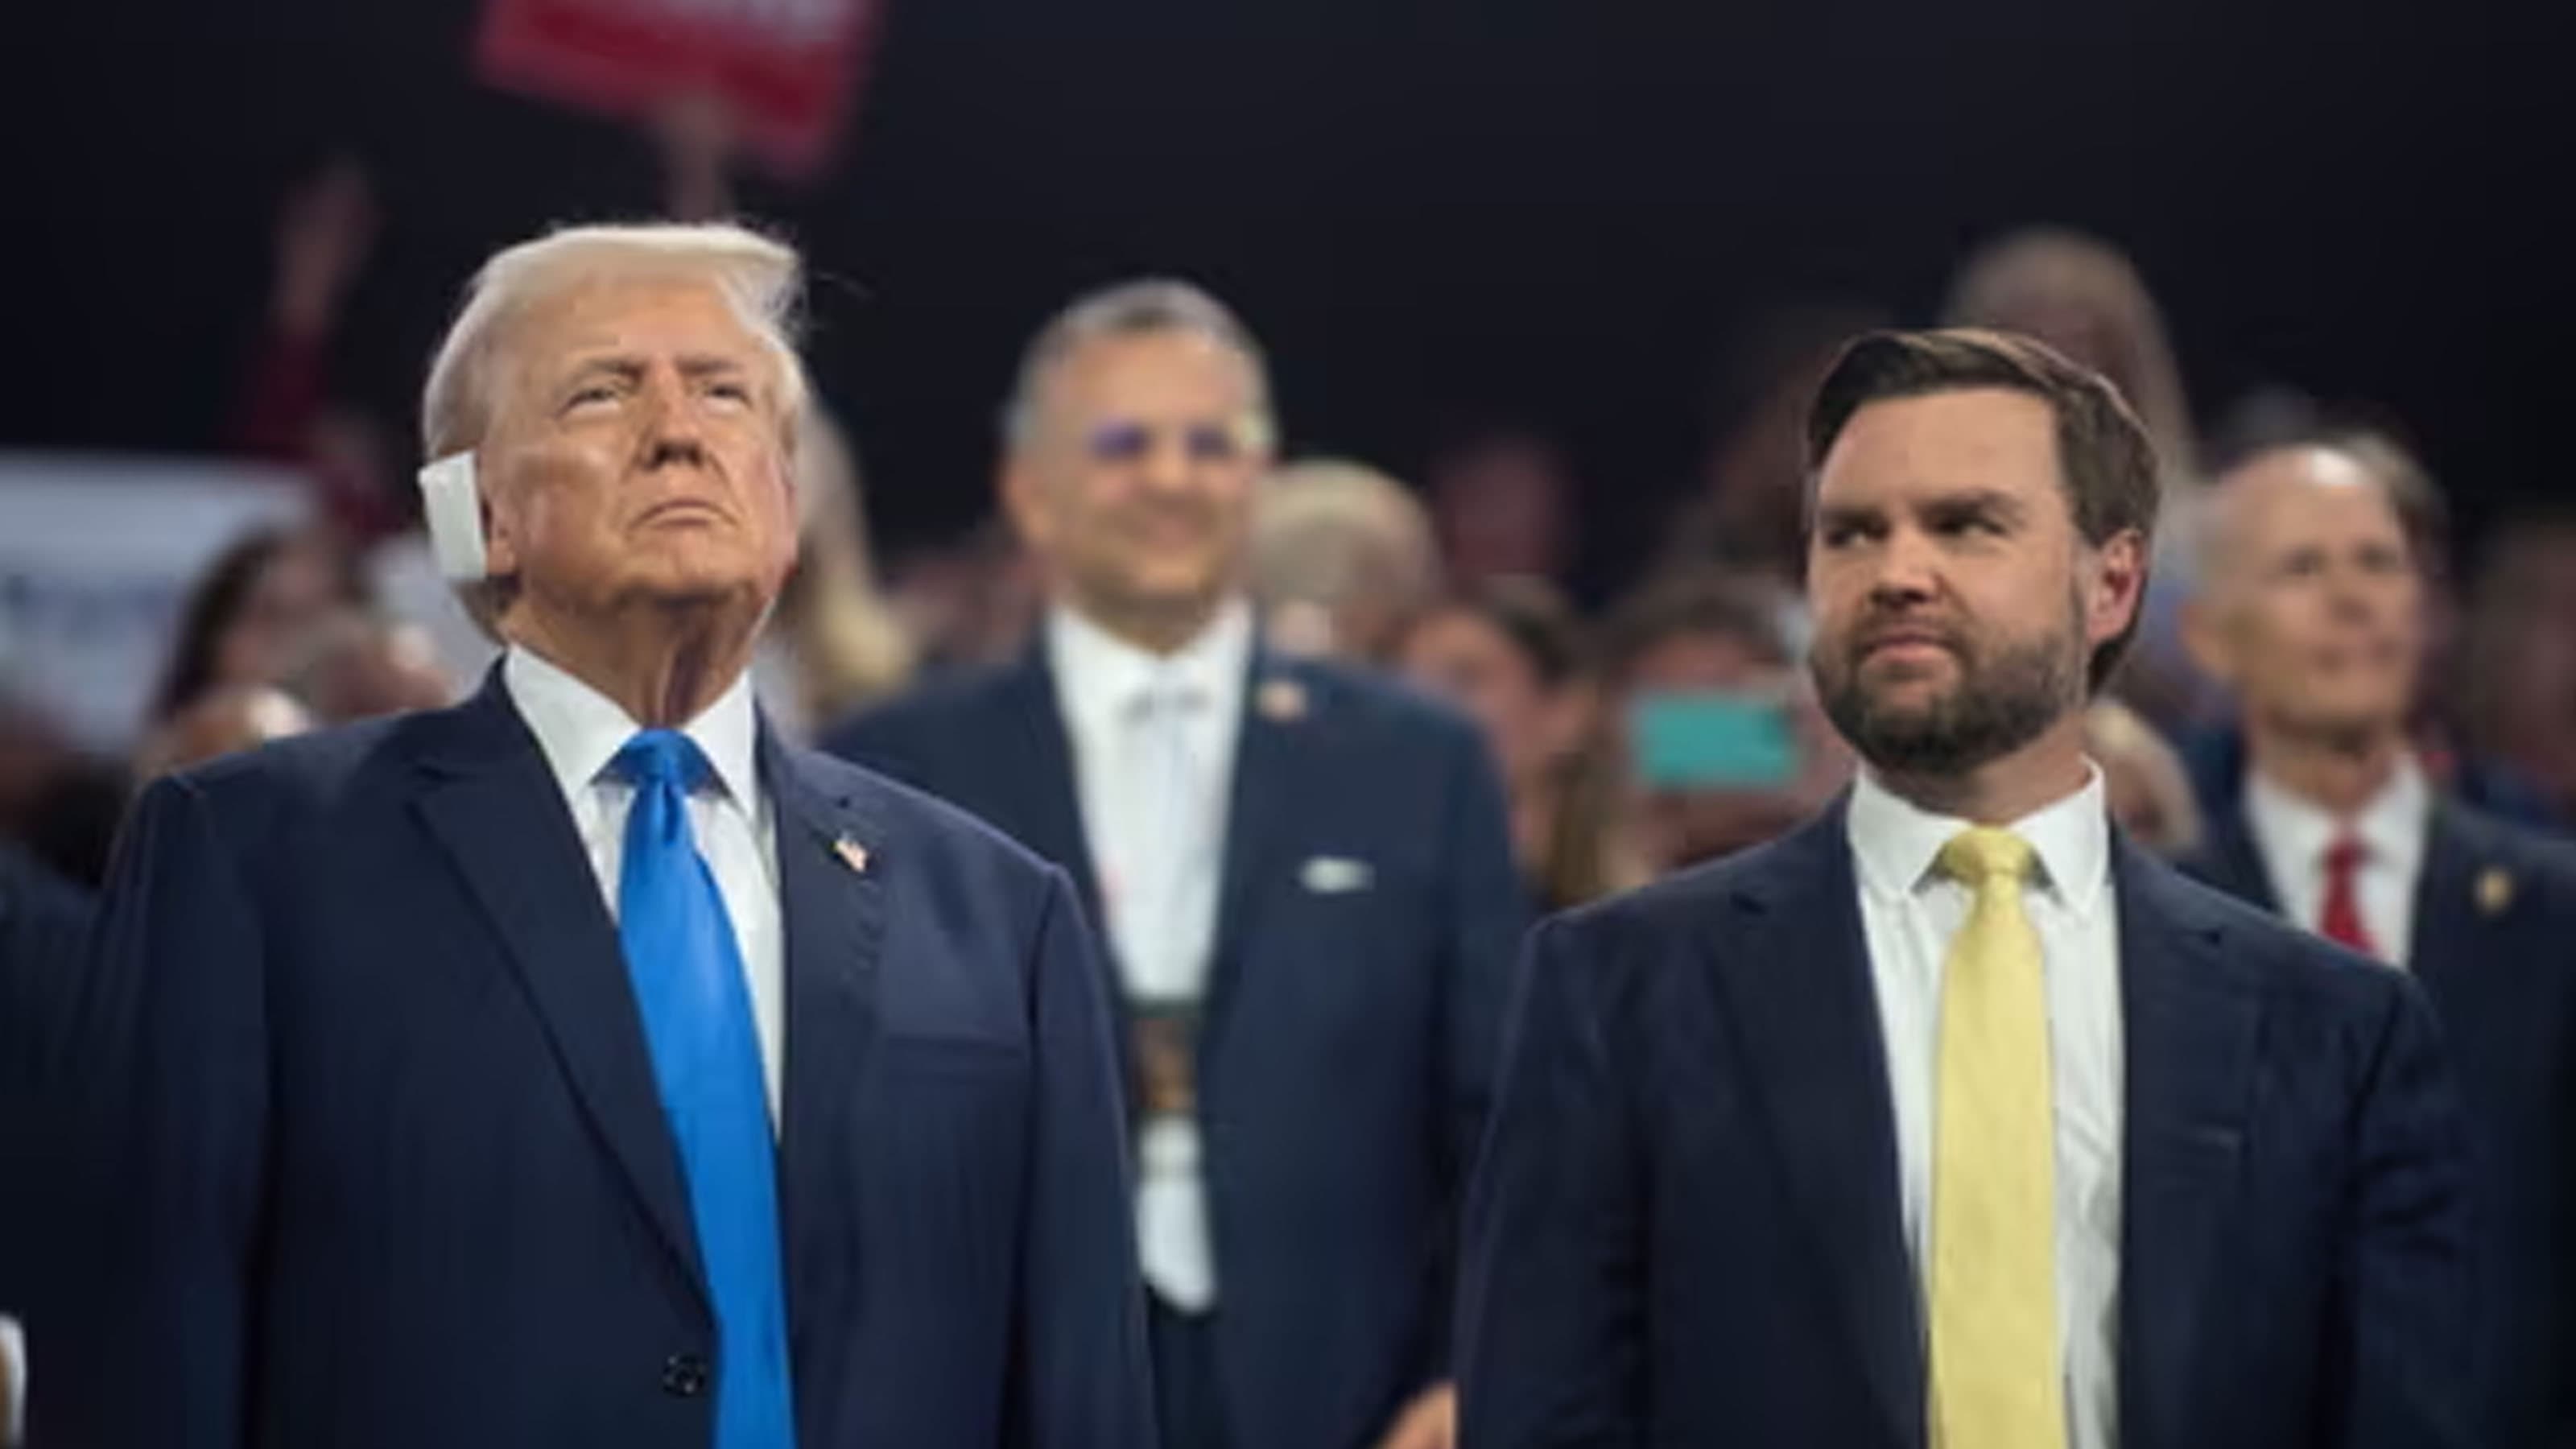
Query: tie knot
[[2346, 855], [1984, 855], [662, 757], [1166, 695]]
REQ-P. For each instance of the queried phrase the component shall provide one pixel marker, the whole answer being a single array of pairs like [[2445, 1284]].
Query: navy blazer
[[2495, 946], [1348, 1040], [398, 1173], [1686, 1230], [43, 923]]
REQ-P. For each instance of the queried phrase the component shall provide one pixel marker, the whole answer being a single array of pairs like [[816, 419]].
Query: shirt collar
[[1099, 675], [1897, 843], [2292, 828], [580, 729]]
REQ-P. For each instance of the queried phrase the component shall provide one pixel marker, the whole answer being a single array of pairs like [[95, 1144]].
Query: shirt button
[[684, 1375]]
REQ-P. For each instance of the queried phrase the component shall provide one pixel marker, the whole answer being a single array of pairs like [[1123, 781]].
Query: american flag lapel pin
[[852, 854], [1282, 701], [2495, 890]]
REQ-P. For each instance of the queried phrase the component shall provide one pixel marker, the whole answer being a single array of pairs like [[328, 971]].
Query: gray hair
[[1129, 309], [761, 278]]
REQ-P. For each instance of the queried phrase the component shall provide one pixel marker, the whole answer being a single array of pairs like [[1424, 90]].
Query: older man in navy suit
[[1304, 876], [1953, 1119], [2312, 610], [583, 1064]]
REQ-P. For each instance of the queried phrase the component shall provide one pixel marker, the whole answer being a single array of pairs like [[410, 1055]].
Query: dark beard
[[2000, 703]]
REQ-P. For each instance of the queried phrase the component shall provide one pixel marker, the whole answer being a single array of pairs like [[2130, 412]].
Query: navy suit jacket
[[1348, 1040], [2495, 946], [43, 921], [1685, 1229], [398, 1171]]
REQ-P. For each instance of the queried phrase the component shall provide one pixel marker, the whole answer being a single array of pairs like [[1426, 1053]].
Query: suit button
[[684, 1375]]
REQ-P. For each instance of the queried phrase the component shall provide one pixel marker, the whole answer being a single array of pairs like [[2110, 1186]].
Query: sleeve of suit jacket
[[1487, 913], [2403, 1322], [1551, 1317], [172, 1065], [1081, 1377]]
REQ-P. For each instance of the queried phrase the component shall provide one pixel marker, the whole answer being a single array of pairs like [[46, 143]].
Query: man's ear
[[1022, 494], [500, 530], [2117, 589]]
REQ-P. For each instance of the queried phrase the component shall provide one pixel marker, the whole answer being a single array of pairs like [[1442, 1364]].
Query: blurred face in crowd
[[296, 590], [1680, 824], [1956, 603], [1135, 480], [1501, 506], [1465, 658], [639, 454], [2313, 611]]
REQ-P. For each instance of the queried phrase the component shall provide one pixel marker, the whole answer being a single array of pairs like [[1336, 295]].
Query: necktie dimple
[[1996, 1377], [2340, 921], [687, 973]]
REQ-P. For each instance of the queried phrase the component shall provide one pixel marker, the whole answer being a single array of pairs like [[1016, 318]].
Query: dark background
[[1428, 210]]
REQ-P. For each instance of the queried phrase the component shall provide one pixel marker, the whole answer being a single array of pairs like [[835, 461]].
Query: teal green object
[[1713, 739]]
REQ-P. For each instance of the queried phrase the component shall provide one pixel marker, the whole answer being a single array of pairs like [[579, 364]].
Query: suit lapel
[[1794, 971], [2191, 1015], [2449, 920], [490, 802], [832, 855], [1272, 750], [1037, 767], [2232, 861]]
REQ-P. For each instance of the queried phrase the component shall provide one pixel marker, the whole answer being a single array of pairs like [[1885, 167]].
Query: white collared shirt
[[1100, 680], [1153, 765], [2294, 835], [1910, 911], [580, 732]]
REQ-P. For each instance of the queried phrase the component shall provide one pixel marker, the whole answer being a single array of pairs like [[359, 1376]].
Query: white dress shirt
[[1153, 764], [1910, 911], [580, 732], [2294, 835]]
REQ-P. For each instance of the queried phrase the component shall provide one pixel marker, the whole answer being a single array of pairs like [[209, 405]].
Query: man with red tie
[[2312, 610]]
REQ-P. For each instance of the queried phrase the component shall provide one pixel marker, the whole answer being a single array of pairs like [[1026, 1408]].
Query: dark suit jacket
[[43, 920], [398, 1173], [1685, 1229], [1348, 1039], [2495, 946]]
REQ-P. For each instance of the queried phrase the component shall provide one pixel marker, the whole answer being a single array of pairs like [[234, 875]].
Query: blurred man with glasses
[[1304, 879]]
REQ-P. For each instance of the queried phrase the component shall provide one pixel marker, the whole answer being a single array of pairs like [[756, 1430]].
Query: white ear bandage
[[454, 511]]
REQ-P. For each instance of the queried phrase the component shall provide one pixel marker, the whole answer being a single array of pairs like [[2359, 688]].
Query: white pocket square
[[1332, 875]]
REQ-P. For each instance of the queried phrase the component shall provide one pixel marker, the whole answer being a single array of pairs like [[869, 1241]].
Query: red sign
[[785, 69]]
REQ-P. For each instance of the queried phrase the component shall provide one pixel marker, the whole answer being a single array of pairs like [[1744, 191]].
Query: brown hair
[[1743, 608], [2105, 459]]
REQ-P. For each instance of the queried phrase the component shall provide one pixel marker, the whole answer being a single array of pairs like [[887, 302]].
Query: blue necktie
[[687, 971]]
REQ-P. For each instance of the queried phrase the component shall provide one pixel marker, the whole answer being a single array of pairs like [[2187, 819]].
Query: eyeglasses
[[1125, 440]]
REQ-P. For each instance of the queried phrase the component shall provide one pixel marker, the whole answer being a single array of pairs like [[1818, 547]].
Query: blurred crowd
[[1666, 723]]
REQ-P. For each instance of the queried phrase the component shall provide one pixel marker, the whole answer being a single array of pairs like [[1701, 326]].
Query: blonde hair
[[761, 278], [2123, 743], [1330, 535]]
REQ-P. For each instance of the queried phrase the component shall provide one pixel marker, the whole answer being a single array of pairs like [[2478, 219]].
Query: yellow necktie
[[1996, 1368]]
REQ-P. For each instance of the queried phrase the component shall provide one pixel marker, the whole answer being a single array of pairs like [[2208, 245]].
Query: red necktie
[[2341, 920]]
